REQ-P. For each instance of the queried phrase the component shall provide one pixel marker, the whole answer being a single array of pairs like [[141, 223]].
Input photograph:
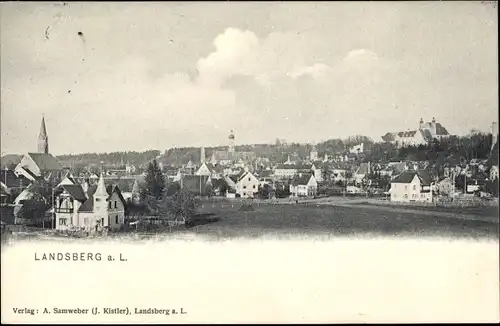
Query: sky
[[138, 76]]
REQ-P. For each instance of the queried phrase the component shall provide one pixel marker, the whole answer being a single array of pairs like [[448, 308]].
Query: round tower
[[231, 142]]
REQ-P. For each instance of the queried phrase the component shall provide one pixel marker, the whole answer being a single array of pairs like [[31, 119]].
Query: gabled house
[[205, 169], [411, 186], [12, 185], [304, 186], [362, 172], [199, 185], [247, 185], [90, 208], [317, 170]]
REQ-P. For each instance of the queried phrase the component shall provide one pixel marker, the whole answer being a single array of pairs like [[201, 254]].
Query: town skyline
[[128, 80]]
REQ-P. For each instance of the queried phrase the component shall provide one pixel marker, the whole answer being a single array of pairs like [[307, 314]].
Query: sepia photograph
[[249, 162]]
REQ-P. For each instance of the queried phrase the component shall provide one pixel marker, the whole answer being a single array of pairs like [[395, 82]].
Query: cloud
[[316, 71], [241, 52]]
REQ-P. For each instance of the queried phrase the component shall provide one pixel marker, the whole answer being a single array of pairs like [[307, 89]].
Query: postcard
[[249, 162]]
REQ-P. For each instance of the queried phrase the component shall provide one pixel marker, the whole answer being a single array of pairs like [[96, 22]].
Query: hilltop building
[[426, 132]]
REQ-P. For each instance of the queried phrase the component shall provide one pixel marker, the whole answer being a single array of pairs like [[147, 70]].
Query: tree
[[264, 191], [182, 204], [172, 189], [154, 184]]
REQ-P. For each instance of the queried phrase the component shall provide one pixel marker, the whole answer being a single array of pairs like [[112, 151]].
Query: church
[[40, 165], [231, 155]]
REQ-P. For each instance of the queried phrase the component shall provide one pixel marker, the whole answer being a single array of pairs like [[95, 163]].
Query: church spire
[[43, 139], [101, 188]]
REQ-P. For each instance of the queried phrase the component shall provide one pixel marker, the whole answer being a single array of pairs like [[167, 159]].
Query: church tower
[[43, 139], [202, 155], [231, 142]]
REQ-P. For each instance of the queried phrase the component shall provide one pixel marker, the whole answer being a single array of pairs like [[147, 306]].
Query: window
[[253, 186], [86, 221], [102, 221], [406, 187], [116, 205], [98, 199], [414, 187], [405, 196], [63, 221], [244, 187], [109, 204], [116, 219], [248, 179]]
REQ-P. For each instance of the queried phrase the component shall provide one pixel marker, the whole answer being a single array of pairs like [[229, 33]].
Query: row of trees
[[159, 198]]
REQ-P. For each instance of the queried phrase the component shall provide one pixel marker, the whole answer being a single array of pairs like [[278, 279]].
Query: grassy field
[[298, 220], [478, 211]]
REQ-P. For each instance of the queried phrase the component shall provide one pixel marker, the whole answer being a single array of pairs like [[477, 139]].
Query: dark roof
[[88, 205], [301, 180], [8, 159], [440, 130], [388, 137], [194, 183], [75, 191], [10, 179], [45, 162], [410, 133], [407, 177]]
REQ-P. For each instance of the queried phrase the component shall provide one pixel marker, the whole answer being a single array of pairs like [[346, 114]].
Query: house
[[199, 185], [90, 208], [445, 187], [247, 185], [12, 184], [189, 168], [304, 186], [205, 169], [357, 149], [426, 132], [362, 172], [317, 170], [285, 171], [494, 172], [411, 186]]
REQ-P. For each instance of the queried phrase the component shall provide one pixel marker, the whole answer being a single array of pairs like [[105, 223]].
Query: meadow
[[224, 219]]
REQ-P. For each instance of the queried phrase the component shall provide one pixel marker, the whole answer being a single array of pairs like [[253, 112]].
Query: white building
[[425, 133], [304, 186], [357, 149], [90, 208], [247, 185], [411, 186]]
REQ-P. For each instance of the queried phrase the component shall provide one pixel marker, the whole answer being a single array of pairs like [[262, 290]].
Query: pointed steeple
[[101, 188], [43, 139]]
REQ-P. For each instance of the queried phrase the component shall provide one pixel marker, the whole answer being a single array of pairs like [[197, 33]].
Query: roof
[[88, 205], [75, 191], [409, 133], [10, 159], [11, 180], [407, 177], [194, 183], [301, 180], [440, 130], [364, 168], [45, 162]]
